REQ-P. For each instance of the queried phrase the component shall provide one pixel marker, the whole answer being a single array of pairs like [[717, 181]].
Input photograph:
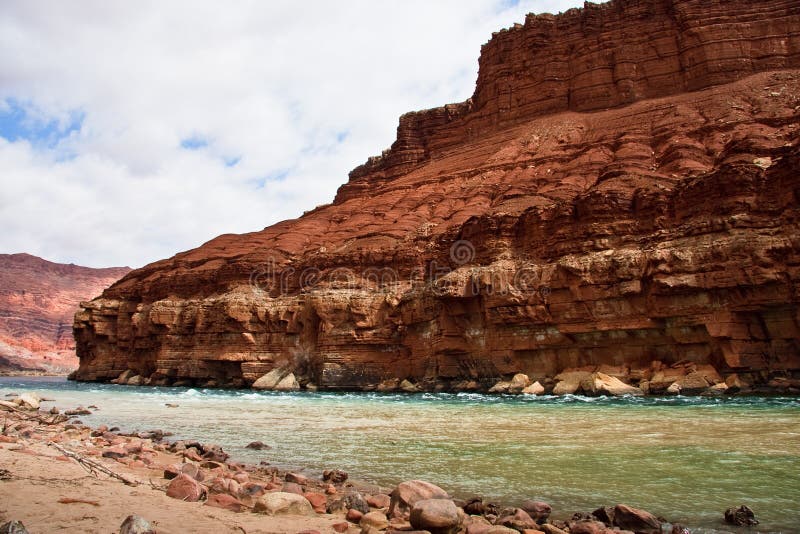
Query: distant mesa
[[38, 300]]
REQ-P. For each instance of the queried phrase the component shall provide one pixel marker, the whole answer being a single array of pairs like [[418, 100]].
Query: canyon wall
[[38, 300], [620, 193]]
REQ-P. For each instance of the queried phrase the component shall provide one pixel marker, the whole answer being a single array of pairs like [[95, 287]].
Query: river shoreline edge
[[151, 452]]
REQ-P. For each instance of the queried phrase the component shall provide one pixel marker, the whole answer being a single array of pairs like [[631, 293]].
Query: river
[[684, 458]]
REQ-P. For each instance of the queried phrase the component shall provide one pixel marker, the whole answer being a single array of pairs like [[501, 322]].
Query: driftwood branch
[[92, 466], [156, 486], [41, 418], [9, 407]]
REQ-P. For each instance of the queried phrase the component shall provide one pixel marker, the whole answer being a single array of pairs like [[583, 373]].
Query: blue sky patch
[[231, 162], [275, 176], [17, 122], [194, 142]]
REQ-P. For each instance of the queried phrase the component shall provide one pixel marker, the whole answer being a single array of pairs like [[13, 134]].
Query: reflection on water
[[686, 459]]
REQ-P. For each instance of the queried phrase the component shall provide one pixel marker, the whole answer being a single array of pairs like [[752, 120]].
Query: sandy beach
[[38, 478], [50, 492]]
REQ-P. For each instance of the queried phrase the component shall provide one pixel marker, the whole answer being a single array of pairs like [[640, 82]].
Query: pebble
[[135, 524], [353, 515], [13, 527]]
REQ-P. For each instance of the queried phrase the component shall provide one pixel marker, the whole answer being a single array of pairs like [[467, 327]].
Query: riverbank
[[55, 476], [59, 475], [656, 379], [31, 372]]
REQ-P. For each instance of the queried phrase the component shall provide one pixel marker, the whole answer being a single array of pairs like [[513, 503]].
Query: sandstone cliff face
[[38, 300], [622, 188]]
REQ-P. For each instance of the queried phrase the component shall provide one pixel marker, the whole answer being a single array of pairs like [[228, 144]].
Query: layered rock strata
[[621, 189], [38, 300]]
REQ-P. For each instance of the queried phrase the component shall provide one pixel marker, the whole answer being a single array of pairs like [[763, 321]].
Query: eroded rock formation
[[621, 189], [38, 300]]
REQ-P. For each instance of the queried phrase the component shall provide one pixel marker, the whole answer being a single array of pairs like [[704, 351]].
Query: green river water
[[684, 458]]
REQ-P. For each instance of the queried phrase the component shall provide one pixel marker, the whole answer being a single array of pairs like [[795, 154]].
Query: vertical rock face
[[599, 57], [622, 188], [37, 302]]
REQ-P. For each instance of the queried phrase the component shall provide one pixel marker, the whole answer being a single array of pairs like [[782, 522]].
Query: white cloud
[[297, 94]]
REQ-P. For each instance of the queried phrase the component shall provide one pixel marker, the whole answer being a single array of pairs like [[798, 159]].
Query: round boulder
[[407, 493], [30, 400], [639, 521], [376, 520], [280, 503], [318, 501], [291, 487], [408, 387], [353, 515], [474, 506], [538, 510], [742, 516], [519, 382], [516, 518], [534, 389], [13, 527], [379, 500], [335, 476], [135, 524], [270, 380], [356, 501], [193, 470], [437, 516], [610, 385], [287, 383], [569, 382], [693, 383], [185, 488]]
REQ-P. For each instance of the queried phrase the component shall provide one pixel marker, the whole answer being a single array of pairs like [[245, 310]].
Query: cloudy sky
[[130, 131]]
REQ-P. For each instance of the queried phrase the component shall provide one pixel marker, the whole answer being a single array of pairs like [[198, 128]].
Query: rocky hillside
[[37, 302], [621, 194]]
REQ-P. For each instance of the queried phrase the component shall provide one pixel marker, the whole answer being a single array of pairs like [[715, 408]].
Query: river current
[[684, 458]]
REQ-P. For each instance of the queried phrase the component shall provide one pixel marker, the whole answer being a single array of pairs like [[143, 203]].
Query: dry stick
[[92, 466], [69, 500], [55, 419], [156, 486], [23, 413]]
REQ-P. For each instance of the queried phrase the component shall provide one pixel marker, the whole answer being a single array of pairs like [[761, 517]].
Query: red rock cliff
[[38, 300], [621, 189]]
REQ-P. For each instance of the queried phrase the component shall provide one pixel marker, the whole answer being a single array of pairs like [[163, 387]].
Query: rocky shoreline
[[658, 378], [166, 483], [29, 372]]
